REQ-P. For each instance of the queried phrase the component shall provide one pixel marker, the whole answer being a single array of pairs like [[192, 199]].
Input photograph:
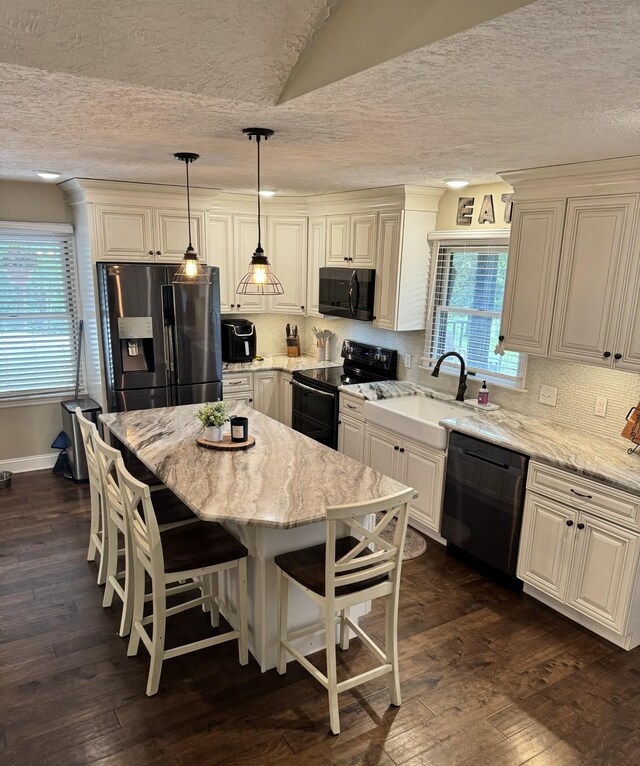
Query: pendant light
[[259, 280], [191, 270]]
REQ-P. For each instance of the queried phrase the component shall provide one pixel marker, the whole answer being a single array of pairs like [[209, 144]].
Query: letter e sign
[[465, 211]]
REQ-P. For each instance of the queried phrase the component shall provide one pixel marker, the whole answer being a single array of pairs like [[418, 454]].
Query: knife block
[[293, 346]]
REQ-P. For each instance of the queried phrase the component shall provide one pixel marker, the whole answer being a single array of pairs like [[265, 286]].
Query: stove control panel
[[373, 358]]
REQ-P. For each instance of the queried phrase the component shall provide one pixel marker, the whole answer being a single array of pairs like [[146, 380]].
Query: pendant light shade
[[191, 270], [259, 279]]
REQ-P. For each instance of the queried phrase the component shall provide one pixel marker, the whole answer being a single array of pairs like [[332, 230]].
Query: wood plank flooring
[[488, 676]]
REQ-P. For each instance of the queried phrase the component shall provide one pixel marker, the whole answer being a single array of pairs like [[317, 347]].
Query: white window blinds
[[38, 315], [468, 290]]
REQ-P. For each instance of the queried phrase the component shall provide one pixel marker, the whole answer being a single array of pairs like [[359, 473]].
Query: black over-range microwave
[[347, 293]]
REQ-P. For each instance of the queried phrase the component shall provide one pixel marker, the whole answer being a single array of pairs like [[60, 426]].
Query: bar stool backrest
[[89, 434], [106, 459], [385, 556], [143, 525]]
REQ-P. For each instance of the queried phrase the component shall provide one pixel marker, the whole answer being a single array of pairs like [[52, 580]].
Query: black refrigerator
[[161, 342]]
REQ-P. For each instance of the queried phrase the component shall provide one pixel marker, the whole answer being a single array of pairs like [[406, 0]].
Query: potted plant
[[212, 416]]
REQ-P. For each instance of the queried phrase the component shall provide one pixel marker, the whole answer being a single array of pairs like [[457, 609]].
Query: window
[[38, 313], [468, 290]]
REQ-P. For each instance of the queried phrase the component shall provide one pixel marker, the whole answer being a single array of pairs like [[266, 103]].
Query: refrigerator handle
[[169, 337]]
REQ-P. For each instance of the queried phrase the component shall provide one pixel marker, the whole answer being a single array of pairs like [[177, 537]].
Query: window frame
[[28, 229], [452, 239]]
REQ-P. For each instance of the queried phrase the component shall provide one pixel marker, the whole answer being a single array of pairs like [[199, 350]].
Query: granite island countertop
[[286, 480], [279, 362], [600, 458]]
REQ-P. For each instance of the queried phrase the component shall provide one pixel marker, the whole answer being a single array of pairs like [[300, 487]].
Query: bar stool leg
[[159, 631], [95, 526], [127, 604], [283, 619], [391, 647], [214, 610], [243, 609], [332, 675], [344, 629], [112, 561], [102, 567], [138, 607]]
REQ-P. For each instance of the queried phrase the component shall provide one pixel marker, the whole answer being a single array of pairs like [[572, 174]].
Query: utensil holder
[[321, 352], [293, 346]]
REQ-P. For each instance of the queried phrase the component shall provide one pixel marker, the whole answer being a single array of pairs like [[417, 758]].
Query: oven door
[[315, 413]]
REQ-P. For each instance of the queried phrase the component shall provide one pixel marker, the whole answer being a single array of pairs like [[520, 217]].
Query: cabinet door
[[628, 343], [286, 397], [363, 240], [603, 572], [380, 451], [351, 438], [220, 254], [245, 239], [595, 252], [546, 542], [388, 270], [172, 235], [423, 469], [532, 273], [124, 233], [265, 393], [317, 258], [338, 251], [288, 256]]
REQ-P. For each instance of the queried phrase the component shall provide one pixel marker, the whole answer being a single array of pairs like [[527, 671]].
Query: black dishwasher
[[483, 500]]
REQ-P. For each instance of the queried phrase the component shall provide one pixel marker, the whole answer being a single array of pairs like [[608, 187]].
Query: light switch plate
[[407, 361], [601, 406], [548, 395]]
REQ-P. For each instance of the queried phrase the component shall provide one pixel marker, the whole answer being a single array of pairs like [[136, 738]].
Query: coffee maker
[[238, 340]]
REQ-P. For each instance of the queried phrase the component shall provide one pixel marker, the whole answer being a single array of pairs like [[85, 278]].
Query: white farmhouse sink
[[416, 417]]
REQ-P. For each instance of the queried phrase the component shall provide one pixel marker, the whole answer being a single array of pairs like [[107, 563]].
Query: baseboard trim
[[29, 463]]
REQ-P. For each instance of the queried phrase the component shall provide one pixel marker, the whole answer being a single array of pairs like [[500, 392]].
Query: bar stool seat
[[307, 567], [197, 545]]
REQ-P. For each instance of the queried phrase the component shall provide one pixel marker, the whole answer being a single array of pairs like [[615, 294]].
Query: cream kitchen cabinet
[[146, 234], [351, 241], [245, 398], [594, 267], [351, 437], [316, 260], [402, 269], [232, 240], [532, 272], [586, 564], [288, 257], [414, 465], [286, 398], [266, 393]]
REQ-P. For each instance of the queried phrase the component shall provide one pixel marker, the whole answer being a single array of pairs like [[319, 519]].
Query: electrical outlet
[[407, 361], [601, 406], [548, 395]]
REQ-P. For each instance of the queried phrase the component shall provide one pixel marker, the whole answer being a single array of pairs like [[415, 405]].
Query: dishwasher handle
[[476, 456]]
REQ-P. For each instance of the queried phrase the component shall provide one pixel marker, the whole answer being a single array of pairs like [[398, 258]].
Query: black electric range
[[315, 392]]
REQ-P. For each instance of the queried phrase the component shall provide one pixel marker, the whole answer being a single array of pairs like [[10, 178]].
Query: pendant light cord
[[259, 226], [190, 248]]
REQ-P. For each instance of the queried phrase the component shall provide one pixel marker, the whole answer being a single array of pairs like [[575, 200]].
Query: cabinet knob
[[237, 305], [250, 400], [569, 523], [580, 525], [158, 252], [150, 252], [401, 449], [302, 307], [396, 447], [617, 357], [607, 354], [345, 258]]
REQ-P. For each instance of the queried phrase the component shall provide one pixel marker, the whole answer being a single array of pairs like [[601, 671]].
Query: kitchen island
[[272, 497]]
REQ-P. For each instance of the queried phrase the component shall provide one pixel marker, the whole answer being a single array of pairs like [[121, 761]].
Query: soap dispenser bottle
[[483, 394]]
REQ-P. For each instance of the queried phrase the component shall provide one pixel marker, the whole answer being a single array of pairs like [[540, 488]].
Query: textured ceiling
[[112, 89]]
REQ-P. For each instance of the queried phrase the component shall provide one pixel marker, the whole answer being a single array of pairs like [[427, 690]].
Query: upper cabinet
[[220, 254], [288, 257], [595, 258], [573, 278], [138, 233], [351, 241], [316, 260], [402, 270], [534, 254], [245, 240]]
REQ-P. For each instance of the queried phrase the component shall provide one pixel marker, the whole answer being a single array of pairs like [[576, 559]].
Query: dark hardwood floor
[[488, 676]]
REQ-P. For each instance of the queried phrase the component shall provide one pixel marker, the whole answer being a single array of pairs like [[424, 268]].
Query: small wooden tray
[[226, 445]]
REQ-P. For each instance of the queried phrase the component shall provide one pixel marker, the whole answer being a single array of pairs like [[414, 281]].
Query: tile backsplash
[[578, 384]]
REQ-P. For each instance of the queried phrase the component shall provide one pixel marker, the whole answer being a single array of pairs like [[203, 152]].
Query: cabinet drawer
[[585, 494], [350, 405], [241, 381]]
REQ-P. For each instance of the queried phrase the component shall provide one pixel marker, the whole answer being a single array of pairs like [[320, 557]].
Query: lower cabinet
[[244, 398], [266, 393], [581, 560], [351, 437], [412, 464], [286, 398]]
